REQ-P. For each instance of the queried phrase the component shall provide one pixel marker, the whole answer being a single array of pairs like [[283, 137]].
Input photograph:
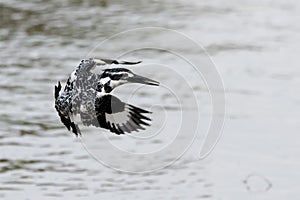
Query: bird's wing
[[57, 90], [66, 120], [69, 123], [118, 117]]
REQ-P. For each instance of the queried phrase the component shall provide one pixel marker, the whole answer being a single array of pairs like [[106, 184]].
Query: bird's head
[[114, 77]]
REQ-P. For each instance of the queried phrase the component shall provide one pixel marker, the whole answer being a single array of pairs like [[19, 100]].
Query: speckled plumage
[[87, 93]]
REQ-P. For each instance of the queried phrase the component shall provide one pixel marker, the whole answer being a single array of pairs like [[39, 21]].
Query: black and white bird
[[87, 93]]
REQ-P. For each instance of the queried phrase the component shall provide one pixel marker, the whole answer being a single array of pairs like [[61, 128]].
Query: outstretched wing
[[118, 117]]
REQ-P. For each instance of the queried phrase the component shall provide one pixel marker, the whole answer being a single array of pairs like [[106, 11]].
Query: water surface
[[255, 46]]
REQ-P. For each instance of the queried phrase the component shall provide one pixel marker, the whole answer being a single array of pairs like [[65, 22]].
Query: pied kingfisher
[[87, 93]]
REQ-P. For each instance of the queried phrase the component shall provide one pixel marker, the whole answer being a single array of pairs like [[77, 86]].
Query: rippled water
[[255, 46]]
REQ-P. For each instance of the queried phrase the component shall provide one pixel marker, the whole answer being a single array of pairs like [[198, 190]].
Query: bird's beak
[[143, 80]]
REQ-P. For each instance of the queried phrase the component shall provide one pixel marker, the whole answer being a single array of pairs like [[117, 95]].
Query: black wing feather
[[57, 90], [69, 124], [109, 105], [66, 120]]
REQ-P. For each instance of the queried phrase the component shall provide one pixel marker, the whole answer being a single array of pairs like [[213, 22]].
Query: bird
[[87, 93]]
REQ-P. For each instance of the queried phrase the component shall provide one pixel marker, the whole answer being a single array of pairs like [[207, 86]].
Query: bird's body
[[88, 94]]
